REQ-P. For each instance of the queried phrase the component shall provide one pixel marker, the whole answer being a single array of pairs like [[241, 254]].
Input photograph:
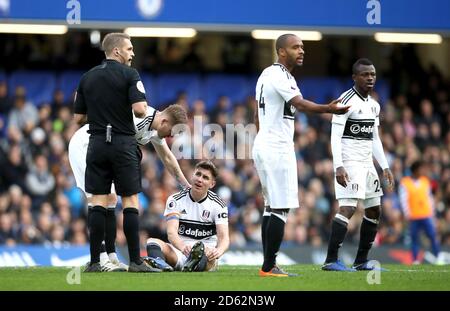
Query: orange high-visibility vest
[[419, 204]]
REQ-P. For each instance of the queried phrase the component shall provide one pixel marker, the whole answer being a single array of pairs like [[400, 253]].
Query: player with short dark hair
[[273, 152], [354, 143], [197, 226]]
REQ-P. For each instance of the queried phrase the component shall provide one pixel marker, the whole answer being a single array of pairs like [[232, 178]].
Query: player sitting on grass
[[153, 128], [197, 227]]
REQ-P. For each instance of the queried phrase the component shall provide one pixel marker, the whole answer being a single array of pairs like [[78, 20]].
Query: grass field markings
[[229, 278], [410, 270], [318, 269]]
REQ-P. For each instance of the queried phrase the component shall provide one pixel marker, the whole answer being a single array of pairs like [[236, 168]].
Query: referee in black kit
[[106, 97]]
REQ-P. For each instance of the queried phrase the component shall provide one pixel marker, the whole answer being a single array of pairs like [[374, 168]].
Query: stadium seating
[[68, 82], [236, 87], [149, 85], [169, 85], [40, 85]]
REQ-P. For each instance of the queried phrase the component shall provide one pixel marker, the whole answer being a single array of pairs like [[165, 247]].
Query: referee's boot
[[110, 267], [196, 254], [142, 267], [276, 272], [119, 264], [93, 267]]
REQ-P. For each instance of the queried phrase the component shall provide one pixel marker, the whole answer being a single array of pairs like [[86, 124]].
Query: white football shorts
[[277, 171], [78, 146], [364, 184]]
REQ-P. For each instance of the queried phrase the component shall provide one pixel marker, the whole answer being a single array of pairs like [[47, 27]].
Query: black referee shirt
[[106, 93]]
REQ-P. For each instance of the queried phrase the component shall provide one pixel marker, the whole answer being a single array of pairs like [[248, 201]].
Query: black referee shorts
[[118, 161]]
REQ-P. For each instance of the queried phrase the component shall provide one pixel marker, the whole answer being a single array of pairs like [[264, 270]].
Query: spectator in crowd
[[5, 102], [8, 235], [39, 180], [58, 103], [24, 115], [14, 168]]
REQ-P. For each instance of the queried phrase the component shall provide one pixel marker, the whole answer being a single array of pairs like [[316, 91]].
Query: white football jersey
[[274, 89], [197, 219], [144, 133], [360, 122]]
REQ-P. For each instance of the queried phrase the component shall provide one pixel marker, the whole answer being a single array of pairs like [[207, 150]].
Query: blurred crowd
[[76, 50], [39, 201]]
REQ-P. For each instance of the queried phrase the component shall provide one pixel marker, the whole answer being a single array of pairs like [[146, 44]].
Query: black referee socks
[[110, 233], [96, 223], [131, 230]]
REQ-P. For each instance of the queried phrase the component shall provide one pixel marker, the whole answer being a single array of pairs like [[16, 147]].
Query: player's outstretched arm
[[171, 164], [308, 106]]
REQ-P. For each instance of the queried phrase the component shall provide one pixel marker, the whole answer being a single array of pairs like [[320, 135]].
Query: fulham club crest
[[205, 215]]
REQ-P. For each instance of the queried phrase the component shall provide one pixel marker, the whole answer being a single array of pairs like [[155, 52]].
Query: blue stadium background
[[42, 213]]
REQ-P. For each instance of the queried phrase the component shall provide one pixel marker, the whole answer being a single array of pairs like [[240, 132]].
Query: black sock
[[96, 231], [110, 233], [338, 231], [274, 237], [366, 238], [131, 230], [265, 222], [154, 251]]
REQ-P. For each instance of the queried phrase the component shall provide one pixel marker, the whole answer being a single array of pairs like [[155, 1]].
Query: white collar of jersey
[[276, 63], [199, 201], [359, 94]]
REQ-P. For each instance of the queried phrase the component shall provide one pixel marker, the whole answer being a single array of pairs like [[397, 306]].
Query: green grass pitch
[[229, 278]]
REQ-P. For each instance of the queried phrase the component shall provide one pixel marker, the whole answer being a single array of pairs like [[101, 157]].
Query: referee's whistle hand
[[342, 176]]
